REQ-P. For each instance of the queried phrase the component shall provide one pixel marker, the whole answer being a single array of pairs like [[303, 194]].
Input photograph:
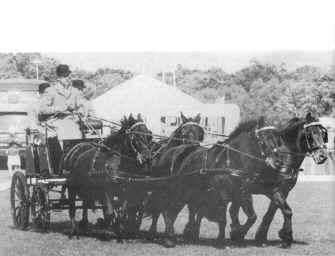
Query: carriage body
[[34, 192]]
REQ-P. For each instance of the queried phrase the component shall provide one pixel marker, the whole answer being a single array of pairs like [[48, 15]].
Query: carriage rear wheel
[[19, 199], [40, 208]]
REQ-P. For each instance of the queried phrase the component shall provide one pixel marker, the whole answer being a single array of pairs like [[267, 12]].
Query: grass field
[[313, 205]]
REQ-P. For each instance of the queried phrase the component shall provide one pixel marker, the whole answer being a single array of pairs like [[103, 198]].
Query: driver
[[58, 106]]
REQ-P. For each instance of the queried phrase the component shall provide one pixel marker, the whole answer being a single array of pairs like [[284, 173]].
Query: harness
[[228, 168]]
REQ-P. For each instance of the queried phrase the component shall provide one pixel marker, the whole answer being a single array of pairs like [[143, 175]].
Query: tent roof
[[145, 94]]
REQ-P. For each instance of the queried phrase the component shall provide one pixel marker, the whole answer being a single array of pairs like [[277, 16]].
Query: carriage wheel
[[19, 199], [40, 209]]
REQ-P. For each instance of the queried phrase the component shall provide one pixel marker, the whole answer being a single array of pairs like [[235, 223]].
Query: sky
[[151, 63], [174, 25]]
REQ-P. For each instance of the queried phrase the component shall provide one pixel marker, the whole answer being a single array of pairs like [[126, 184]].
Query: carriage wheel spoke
[[18, 194], [18, 211]]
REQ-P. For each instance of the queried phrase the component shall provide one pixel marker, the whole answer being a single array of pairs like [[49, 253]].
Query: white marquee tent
[[154, 99]]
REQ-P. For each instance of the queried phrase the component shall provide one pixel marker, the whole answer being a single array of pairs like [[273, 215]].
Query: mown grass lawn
[[313, 205]]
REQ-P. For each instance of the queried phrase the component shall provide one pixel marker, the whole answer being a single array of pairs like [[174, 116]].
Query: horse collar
[[191, 123]]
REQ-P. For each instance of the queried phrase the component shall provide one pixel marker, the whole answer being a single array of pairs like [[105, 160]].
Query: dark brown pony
[[298, 139], [91, 167], [302, 136], [242, 151], [189, 132]]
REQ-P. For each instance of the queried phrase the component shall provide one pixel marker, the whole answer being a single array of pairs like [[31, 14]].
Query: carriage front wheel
[[19, 199]]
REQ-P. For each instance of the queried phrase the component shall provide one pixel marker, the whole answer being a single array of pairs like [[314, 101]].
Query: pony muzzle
[[319, 156]]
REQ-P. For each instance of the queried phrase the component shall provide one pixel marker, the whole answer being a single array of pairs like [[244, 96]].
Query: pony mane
[[289, 130], [242, 127], [291, 126]]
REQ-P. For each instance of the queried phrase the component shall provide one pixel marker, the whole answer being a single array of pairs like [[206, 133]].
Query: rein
[[240, 152]]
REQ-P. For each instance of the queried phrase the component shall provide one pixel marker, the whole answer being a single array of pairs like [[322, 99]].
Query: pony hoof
[[219, 244], [100, 223], [150, 236], [72, 234], [83, 225], [286, 236], [285, 245], [168, 243], [260, 238], [119, 241], [236, 236], [190, 236], [261, 244]]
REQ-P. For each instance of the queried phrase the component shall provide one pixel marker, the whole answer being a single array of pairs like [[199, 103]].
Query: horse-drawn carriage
[[38, 190], [30, 187], [125, 175]]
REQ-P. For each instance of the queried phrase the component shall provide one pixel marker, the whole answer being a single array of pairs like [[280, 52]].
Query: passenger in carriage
[[87, 92], [58, 105]]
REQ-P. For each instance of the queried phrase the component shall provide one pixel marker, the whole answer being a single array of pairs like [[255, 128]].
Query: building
[[18, 98]]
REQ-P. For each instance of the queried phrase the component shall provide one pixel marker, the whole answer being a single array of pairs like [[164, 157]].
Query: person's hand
[[60, 108], [70, 108], [83, 113]]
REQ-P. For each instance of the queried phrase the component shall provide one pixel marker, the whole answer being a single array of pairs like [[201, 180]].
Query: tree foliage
[[258, 89]]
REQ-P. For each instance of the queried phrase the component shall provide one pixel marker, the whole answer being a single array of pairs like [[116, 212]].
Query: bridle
[[130, 131], [191, 124], [306, 134]]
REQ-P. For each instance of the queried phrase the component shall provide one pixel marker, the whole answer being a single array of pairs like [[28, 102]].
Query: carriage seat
[[91, 123]]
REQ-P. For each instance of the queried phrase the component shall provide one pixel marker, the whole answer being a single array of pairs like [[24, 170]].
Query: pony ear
[[139, 117], [124, 120], [309, 117], [261, 122], [131, 117], [183, 118], [197, 118]]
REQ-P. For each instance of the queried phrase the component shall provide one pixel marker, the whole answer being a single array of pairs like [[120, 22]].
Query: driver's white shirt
[[66, 128], [59, 97]]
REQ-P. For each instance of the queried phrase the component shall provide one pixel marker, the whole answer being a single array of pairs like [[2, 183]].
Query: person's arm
[[47, 106]]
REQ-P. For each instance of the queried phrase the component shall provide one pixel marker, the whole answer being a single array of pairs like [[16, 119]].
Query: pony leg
[[234, 210], [190, 226], [235, 225], [248, 208], [262, 231], [153, 227], [170, 216], [169, 219], [83, 224], [197, 225], [220, 241], [286, 232], [157, 202], [72, 213]]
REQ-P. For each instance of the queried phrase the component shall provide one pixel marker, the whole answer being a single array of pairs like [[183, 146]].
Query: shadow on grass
[[145, 237], [212, 242]]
